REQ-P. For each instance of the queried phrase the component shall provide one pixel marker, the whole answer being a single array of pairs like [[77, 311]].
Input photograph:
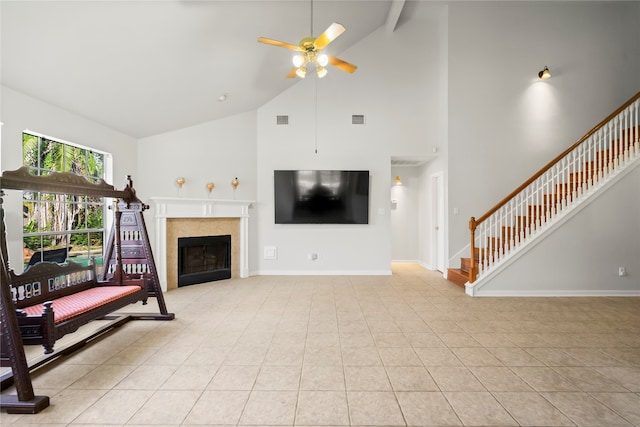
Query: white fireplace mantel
[[178, 207]]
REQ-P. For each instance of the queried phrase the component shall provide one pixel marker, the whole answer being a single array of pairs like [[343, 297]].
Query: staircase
[[551, 193]]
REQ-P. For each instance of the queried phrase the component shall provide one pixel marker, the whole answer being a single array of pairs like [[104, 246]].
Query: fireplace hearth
[[203, 259]]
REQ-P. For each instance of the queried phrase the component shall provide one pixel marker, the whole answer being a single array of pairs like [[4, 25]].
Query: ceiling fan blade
[[329, 35], [278, 43], [343, 65], [292, 73]]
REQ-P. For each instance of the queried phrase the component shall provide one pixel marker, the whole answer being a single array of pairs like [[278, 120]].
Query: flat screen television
[[321, 196]]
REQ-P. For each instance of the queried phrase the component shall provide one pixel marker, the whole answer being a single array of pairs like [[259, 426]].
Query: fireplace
[[203, 259], [183, 217]]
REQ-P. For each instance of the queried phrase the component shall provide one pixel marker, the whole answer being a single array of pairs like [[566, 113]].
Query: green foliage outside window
[[56, 221]]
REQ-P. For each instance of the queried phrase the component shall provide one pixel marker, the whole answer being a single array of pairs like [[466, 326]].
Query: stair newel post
[[472, 267]]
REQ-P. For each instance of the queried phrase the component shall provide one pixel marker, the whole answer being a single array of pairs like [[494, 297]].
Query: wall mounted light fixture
[[544, 74], [398, 180], [234, 184], [180, 182]]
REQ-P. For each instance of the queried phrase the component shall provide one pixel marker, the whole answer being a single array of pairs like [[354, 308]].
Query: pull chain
[[311, 35], [316, 113]]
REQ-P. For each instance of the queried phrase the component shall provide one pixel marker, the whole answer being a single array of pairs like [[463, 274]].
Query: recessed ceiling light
[[222, 97]]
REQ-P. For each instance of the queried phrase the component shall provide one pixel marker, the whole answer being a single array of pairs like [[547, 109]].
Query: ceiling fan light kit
[[298, 60], [301, 72], [310, 52], [322, 60]]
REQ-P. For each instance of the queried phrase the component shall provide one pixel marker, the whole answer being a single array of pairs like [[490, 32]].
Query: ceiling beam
[[394, 14]]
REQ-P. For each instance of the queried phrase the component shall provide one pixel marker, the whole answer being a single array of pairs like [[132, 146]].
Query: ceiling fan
[[310, 49]]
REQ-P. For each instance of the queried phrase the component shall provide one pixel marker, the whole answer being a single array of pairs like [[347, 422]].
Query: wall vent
[[282, 120], [357, 119], [408, 161]]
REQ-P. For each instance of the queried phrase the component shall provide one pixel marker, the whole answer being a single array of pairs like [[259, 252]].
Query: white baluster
[[546, 196], [592, 163], [501, 249], [530, 222], [553, 185], [512, 229], [616, 143], [581, 166], [610, 142], [484, 245], [538, 203], [496, 233], [636, 127]]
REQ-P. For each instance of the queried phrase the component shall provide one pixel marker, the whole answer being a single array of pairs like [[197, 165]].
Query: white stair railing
[[567, 179]]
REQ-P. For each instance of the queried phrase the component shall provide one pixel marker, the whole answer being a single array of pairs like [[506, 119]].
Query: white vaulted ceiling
[[147, 67]]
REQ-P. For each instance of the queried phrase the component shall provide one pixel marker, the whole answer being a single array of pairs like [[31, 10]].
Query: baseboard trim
[[558, 293], [416, 262], [323, 273]]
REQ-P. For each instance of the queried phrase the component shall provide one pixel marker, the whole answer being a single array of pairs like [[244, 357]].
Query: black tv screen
[[321, 197]]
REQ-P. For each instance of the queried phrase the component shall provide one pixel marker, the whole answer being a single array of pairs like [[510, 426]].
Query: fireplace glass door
[[203, 259]]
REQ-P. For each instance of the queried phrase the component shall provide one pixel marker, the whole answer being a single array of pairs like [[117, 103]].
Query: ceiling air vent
[[399, 161], [357, 119], [282, 120]]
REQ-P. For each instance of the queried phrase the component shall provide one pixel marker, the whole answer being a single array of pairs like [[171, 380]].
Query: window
[[57, 227]]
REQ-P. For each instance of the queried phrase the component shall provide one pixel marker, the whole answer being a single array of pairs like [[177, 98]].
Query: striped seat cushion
[[66, 307]]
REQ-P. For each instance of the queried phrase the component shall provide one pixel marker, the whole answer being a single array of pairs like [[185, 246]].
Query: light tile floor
[[407, 349]]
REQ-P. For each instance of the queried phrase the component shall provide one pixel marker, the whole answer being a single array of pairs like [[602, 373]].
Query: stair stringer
[[536, 237]]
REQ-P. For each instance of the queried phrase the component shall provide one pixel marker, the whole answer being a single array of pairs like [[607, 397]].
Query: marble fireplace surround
[[181, 217]]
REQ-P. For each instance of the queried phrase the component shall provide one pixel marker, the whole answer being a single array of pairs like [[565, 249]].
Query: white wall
[[438, 160], [216, 151], [400, 106], [504, 123], [21, 112]]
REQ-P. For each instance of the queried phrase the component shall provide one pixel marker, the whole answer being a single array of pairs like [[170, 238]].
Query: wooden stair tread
[[457, 276]]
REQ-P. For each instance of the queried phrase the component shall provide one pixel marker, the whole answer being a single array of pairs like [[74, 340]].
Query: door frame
[[438, 223]]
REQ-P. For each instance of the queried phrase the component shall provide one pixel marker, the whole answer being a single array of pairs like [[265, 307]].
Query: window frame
[[83, 202]]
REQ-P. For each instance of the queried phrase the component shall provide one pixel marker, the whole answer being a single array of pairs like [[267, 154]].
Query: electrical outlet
[[622, 271], [270, 252]]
